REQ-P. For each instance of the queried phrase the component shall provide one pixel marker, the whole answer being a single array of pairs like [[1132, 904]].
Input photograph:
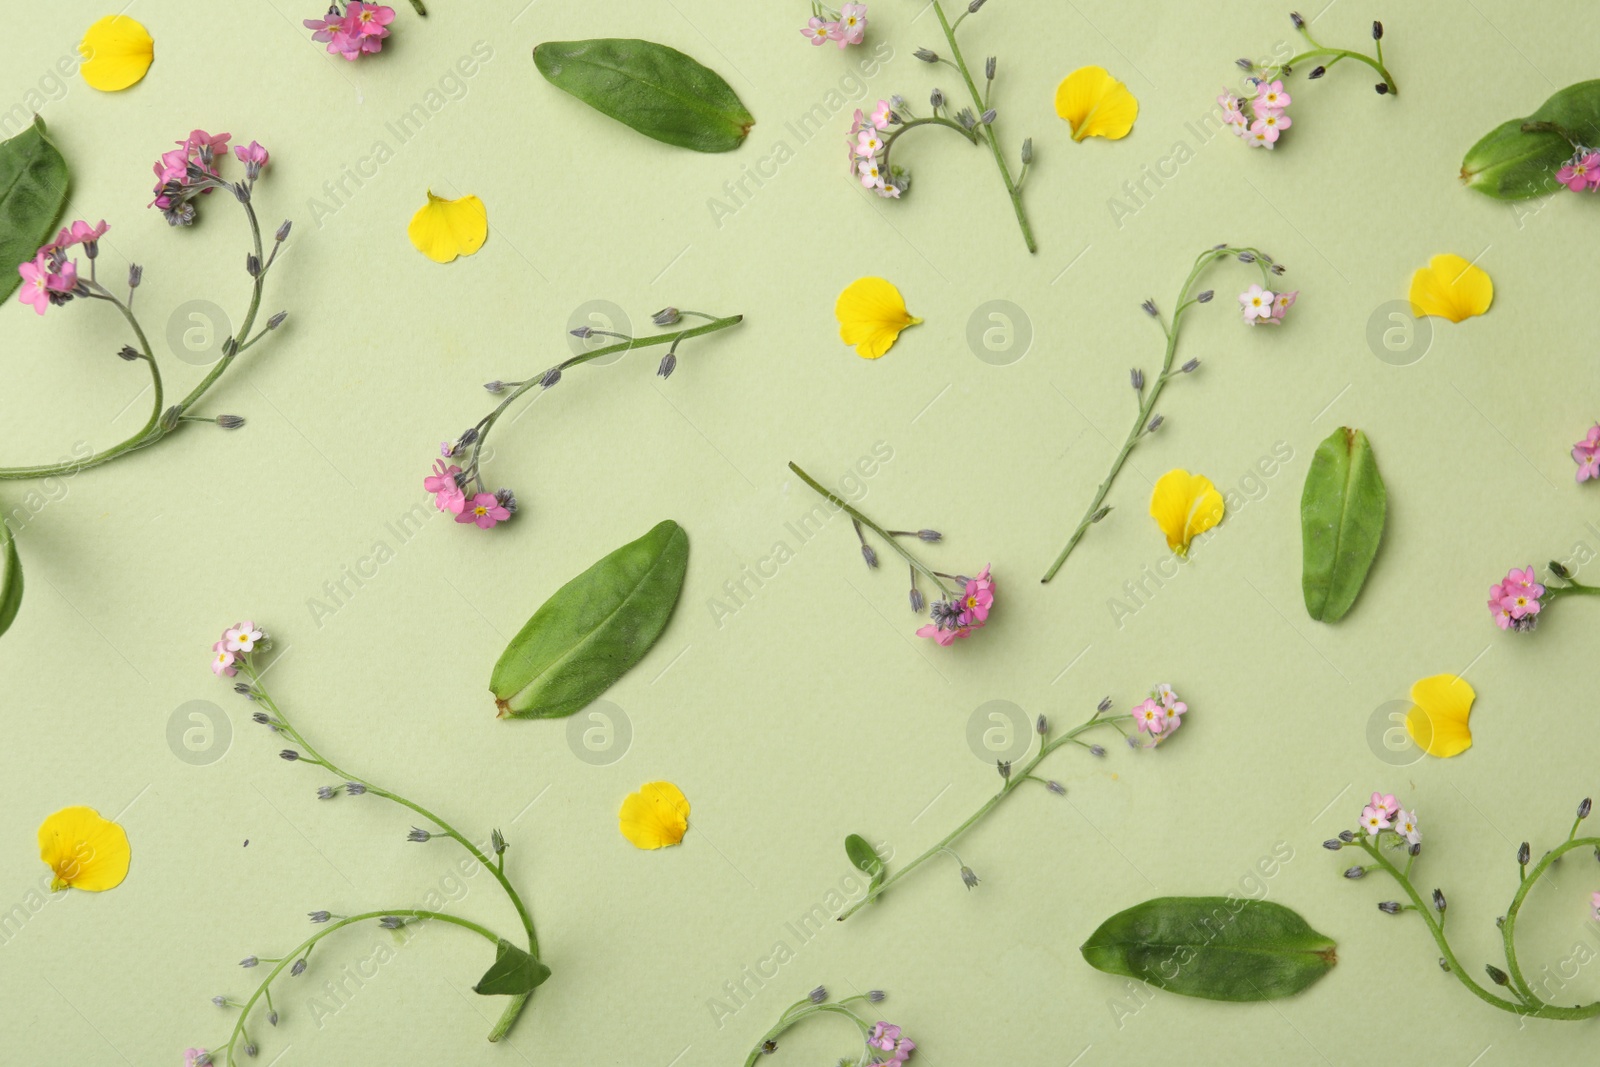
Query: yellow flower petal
[[1450, 288], [1096, 104], [1437, 721], [656, 816], [84, 850], [116, 51], [444, 229], [871, 314], [1185, 506]]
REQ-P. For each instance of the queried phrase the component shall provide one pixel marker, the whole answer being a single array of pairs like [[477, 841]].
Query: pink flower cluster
[[1514, 602], [1264, 307], [845, 27], [867, 155], [959, 616], [485, 510], [1160, 715], [1268, 116], [50, 277], [194, 163], [1586, 453], [885, 1037], [357, 32], [1384, 813], [1582, 172], [238, 641]]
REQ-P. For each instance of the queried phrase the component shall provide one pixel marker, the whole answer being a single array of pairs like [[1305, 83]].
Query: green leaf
[[33, 190], [1341, 522], [10, 577], [1218, 948], [866, 859], [657, 90], [593, 629], [1514, 163], [513, 973]]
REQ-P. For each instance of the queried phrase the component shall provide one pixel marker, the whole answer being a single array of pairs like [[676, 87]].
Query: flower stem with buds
[[802, 1010], [1147, 400], [1319, 51], [888, 538]]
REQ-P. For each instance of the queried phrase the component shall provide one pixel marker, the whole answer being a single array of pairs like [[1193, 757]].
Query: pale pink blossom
[[1386, 803], [881, 113], [1270, 97], [241, 638], [852, 24], [1256, 304], [1150, 718], [1264, 133], [821, 31], [1405, 824], [447, 492], [222, 661], [1374, 820], [1586, 453]]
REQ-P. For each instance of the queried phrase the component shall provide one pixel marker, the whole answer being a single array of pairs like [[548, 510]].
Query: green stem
[[1343, 53], [1572, 588], [1018, 776], [889, 539], [226, 361], [888, 142], [1147, 405], [514, 1008], [795, 1013], [305, 946], [1012, 189]]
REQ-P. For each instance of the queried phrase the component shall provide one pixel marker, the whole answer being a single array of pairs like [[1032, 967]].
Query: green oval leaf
[[657, 90], [865, 858], [1341, 522], [10, 577], [593, 629], [1514, 163], [33, 190], [513, 973], [1218, 948]]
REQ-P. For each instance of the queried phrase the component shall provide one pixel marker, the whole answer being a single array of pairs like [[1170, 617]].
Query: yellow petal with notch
[[1096, 104], [1437, 721], [444, 229], [871, 314], [1450, 288], [656, 816], [1185, 506], [117, 51], [85, 850]]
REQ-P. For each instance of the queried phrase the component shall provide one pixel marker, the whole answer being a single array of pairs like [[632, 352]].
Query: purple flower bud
[[1150, 307], [968, 878], [319, 916], [418, 835], [230, 422], [667, 316], [551, 377], [1136, 379], [354, 789], [916, 600], [1104, 705], [249, 961], [1096, 750], [927, 55], [1042, 726], [1439, 903], [283, 232], [1056, 787], [1355, 872], [1390, 907], [869, 555], [277, 320], [289, 754], [1333, 844], [669, 363], [819, 994], [296, 971]]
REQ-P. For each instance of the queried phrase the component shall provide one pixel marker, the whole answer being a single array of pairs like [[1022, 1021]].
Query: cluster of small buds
[[869, 152], [356, 31], [844, 27], [1158, 717], [1581, 173], [238, 641], [958, 616], [1514, 601], [1586, 453], [1265, 307]]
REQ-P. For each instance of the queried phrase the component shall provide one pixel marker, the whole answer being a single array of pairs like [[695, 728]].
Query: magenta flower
[[35, 283], [79, 233], [946, 636], [326, 27], [1586, 453], [447, 493], [1581, 172], [371, 20], [821, 31], [1263, 132], [193, 1056], [886, 1037], [978, 599], [484, 509], [253, 156], [1514, 602]]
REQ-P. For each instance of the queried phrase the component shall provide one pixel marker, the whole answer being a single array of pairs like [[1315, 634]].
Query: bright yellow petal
[[871, 314], [1185, 506], [656, 816], [117, 51], [84, 850], [444, 229], [1437, 721], [1096, 104], [1450, 288]]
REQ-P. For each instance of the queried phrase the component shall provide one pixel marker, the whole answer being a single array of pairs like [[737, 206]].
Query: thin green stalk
[[1018, 776], [801, 1010], [888, 142], [1148, 400], [889, 539], [1012, 189]]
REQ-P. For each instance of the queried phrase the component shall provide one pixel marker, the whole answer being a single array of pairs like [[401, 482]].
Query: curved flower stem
[[228, 357], [1148, 400], [1342, 53], [798, 1012], [888, 142], [1012, 783], [1013, 190], [893, 542], [1528, 1003], [299, 952], [487, 423], [517, 1003]]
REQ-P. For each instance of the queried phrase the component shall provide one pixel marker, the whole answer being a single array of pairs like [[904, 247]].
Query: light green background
[[811, 711]]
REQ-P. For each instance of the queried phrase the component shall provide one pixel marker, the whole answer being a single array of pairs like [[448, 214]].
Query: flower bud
[[1097, 750], [129, 353], [495, 388], [927, 55], [1150, 308], [667, 316], [936, 99], [972, 8], [1205, 297], [1316, 72], [277, 320], [1523, 854], [1333, 844], [1244, 64], [391, 922], [220, 1001], [1583, 808], [1042, 726], [283, 232], [272, 1017], [1298, 20], [1155, 423], [551, 377], [289, 754], [916, 600], [1189, 367], [296, 971], [1444, 965], [669, 363], [135, 275], [354, 789], [988, 116], [988, 68], [1027, 151], [1347, 836], [1390, 907], [876, 995], [1382, 88], [1104, 705], [1136, 379], [497, 842], [583, 332], [1377, 30], [1496, 975], [1353, 873], [819, 994], [870, 555], [1439, 901], [1247, 257], [1056, 787], [1004, 767], [968, 878], [249, 961], [319, 916], [1559, 571], [1415, 848], [230, 422], [326, 792], [1100, 513], [418, 835], [252, 264]]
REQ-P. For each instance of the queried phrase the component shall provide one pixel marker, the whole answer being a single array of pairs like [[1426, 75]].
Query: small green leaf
[[33, 190], [865, 858], [1218, 948], [513, 973], [594, 629], [10, 577], [1341, 522], [657, 90], [1513, 163]]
